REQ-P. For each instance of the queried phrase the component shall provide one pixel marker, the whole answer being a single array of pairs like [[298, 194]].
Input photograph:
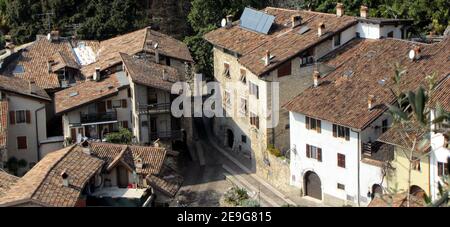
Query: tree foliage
[[123, 136]]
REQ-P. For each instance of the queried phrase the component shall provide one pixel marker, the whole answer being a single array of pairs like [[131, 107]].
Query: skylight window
[[18, 69], [73, 94]]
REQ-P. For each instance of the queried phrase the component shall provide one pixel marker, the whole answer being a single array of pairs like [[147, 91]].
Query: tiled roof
[[42, 185], [6, 181], [34, 60], [283, 42], [149, 73], [3, 123], [168, 181], [342, 96], [21, 86], [89, 91], [133, 43], [152, 157], [61, 60], [441, 96]]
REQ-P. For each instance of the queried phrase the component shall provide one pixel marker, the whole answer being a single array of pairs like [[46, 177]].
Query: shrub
[[124, 136], [274, 151]]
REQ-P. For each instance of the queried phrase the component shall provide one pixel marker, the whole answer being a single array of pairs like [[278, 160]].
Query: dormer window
[[18, 69]]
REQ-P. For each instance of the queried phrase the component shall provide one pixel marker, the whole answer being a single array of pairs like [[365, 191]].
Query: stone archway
[[417, 192], [313, 185]]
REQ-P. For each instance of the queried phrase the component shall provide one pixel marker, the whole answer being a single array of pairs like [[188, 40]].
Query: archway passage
[[313, 185], [417, 192], [230, 138], [377, 191]]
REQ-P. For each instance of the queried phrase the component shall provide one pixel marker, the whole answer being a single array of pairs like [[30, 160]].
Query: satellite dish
[[412, 54], [156, 45], [224, 22]]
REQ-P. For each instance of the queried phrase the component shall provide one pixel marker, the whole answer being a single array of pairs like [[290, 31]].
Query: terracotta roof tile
[[150, 73], [6, 181], [368, 65], [168, 181], [88, 92], [21, 86], [441, 95], [283, 42], [43, 183]]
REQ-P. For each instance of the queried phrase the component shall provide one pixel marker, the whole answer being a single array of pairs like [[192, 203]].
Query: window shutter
[[12, 117], [129, 92], [125, 124], [308, 124], [347, 134], [319, 126], [124, 103], [28, 116], [257, 92], [319, 154], [308, 151], [73, 134], [334, 130], [285, 69], [109, 104]]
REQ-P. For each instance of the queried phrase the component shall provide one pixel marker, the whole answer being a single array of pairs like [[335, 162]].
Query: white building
[[335, 123]]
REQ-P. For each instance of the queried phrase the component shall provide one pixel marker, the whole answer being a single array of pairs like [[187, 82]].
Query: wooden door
[[122, 177], [101, 107], [313, 185]]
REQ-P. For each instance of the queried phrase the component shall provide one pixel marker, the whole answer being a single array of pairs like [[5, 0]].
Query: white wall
[[368, 31], [385, 29], [438, 154]]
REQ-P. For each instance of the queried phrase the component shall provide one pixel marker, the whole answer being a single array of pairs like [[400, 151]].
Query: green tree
[[123, 136]]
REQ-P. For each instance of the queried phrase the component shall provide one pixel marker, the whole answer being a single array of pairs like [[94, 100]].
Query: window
[[114, 104], [416, 164], [313, 124], [22, 142], [244, 139], [314, 152], [18, 69], [442, 169], [243, 78], [20, 117], [341, 160], [227, 99], [152, 97], [124, 124], [226, 70], [384, 126], [285, 69], [307, 58], [337, 40], [341, 132], [341, 186], [244, 106], [254, 120], [254, 89], [390, 34]]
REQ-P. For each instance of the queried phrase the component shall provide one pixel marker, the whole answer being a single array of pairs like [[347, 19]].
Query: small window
[[337, 40], [313, 124], [341, 132], [384, 126], [117, 103], [226, 70], [243, 77], [314, 152], [390, 34], [227, 99], [18, 69], [21, 117], [341, 160], [285, 69], [416, 164], [253, 89], [22, 142], [244, 139], [442, 169], [341, 186], [254, 120], [244, 106]]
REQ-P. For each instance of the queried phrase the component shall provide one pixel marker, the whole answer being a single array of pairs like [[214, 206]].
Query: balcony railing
[[154, 108], [98, 117], [368, 148], [172, 135]]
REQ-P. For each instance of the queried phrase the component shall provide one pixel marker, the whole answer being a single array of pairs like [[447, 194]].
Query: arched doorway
[[230, 138], [377, 191], [417, 192], [313, 185]]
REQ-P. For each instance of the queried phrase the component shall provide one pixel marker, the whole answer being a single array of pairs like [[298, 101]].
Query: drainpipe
[[37, 132], [359, 169]]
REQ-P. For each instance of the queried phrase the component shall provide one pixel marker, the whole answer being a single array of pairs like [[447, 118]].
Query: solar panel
[[256, 21], [304, 30]]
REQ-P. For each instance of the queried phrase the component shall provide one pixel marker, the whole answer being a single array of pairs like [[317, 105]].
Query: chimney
[[49, 65], [156, 53], [65, 178], [53, 36], [139, 163], [229, 21], [96, 76], [414, 54], [370, 102], [296, 21], [363, 11], [321, 29], [267, 58], [32, 86], [339, 9], [316, 76]]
